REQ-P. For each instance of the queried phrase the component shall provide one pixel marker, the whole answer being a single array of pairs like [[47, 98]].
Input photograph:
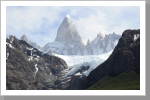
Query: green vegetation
[[127, 80]]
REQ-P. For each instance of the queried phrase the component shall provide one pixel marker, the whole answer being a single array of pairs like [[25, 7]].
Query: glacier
[[75, 62]]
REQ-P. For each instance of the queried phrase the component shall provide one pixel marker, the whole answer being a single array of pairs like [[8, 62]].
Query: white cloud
[[28, 20], [92, 25], [106, 20], [40, 24]]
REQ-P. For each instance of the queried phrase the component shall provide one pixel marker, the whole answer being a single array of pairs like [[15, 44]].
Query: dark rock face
[[75, 83], [28, 68], [71, 82], [126, 55]]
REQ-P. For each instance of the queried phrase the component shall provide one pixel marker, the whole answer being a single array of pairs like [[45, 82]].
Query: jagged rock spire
[[67, 32]]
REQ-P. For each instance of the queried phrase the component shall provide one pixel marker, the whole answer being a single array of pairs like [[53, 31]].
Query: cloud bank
[[41, 23]]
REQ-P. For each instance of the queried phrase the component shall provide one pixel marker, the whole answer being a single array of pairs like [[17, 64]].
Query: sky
[[40, 23]]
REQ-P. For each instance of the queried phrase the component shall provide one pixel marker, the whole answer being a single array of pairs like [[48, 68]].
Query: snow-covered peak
[[68, 17], [67, 32], [24, 38], [67, 20], [67, 41]]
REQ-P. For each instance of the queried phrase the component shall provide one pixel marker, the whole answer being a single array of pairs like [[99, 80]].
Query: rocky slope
[[125, 56], [28, 68]]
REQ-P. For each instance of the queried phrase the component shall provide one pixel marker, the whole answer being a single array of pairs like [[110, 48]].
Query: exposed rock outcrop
[[28, 68], [126, 55]]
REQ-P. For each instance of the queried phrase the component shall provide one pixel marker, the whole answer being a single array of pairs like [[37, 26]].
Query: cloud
[[33, 21], [106, 20], [40, 24], [92, 25]]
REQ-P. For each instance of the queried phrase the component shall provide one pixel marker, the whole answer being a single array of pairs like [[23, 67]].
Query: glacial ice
[[75, 62]]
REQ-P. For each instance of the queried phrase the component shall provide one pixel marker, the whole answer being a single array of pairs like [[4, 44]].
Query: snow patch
[[9, 45], [116, 42], [7, 55], [68, 16], [65, 81], [29, 48], [78, 74], [37, 59], [50, 73], [31, 54], [136, 36], [11, 40], [36, 69], [30, 58]]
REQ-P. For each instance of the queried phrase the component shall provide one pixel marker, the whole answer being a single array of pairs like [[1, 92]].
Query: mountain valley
[[69, 64]]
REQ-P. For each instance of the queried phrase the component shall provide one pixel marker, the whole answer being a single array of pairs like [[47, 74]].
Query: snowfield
[[75, 62]]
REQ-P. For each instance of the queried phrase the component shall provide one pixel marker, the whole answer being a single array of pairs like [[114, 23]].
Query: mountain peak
[[24, 38], [68, 17], [114, 33], [67, 20], [67, 32], [100, 35], [69, 39]]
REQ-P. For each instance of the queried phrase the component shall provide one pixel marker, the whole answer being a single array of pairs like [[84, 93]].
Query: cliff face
[[28, 68], [126, 55]]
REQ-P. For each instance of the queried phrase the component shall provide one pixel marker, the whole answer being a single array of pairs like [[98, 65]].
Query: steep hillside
[[28, 68], [127, 80], [125, 56]]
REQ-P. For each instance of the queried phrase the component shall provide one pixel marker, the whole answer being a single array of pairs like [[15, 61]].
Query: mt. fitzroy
[[69, 42]]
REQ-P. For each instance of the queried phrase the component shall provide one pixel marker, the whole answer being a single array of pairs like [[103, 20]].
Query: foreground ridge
[[126, 56], [29, 69]]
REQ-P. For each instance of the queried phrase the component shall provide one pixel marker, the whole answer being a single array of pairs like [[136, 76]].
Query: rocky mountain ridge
[[69, 42], [101, 44], [33, 44], [29, 69]]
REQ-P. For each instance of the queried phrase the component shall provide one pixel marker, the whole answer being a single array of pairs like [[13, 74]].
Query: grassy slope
[[127, 80]]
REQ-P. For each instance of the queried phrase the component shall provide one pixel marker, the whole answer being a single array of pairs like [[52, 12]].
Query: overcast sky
[[40, 24]]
